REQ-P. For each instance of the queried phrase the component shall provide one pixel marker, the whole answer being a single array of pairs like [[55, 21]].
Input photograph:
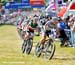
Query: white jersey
[[49, 25]]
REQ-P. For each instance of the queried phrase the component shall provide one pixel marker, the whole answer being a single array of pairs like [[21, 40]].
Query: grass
[[10, 51]]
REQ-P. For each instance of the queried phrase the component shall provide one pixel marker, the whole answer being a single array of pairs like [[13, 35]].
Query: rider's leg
[[20, 32], [38, 30], [32, 35], [26, 36], [43, 38]]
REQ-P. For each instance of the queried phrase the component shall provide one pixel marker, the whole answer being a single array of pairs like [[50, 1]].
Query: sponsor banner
[[17, 5], [37, 2], [25, 4]]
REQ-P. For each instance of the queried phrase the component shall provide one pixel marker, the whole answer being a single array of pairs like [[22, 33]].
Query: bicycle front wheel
[[29, 46], [50, 50]]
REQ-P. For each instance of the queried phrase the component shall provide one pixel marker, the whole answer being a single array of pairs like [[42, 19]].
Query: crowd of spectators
[[7, 15]]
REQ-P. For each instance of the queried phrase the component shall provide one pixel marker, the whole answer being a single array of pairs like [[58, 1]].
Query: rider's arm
[[47, 26]]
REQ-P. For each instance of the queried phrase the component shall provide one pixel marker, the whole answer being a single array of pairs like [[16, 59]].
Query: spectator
[[7, 12], [73, 33]]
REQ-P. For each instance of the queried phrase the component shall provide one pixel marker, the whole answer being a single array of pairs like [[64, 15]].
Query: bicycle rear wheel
[[50, 50], [24, 46]]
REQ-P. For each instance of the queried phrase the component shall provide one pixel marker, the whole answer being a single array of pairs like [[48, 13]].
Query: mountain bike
[[27, 45], [48, 48]]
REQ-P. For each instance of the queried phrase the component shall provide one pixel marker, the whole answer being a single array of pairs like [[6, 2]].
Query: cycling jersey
[[33, 25], [21, 22], [19, 25], [49, 25]]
